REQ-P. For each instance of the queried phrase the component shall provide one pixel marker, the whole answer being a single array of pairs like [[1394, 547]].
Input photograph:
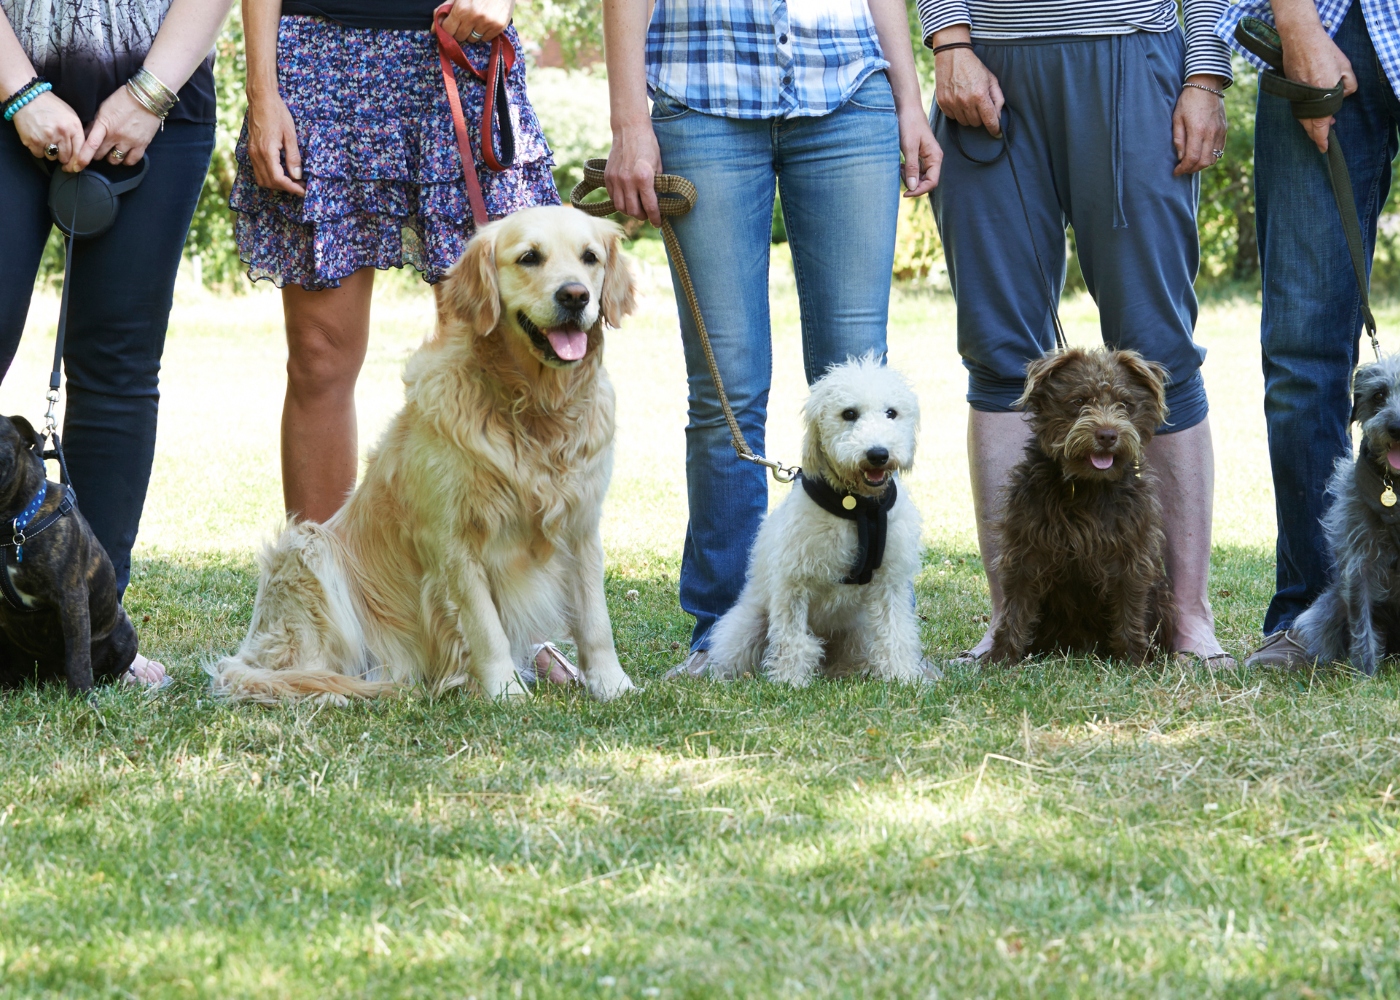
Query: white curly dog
[[830, 574]]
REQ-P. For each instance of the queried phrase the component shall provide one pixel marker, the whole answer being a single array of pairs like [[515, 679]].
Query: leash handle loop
[[676, 196], [500, 63], [1005, 151]]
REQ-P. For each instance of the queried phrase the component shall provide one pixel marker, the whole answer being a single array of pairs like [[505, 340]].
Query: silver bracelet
[[147, 90], [1209, 90]]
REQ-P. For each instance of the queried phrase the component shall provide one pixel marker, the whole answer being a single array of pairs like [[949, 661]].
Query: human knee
[[319, 363]]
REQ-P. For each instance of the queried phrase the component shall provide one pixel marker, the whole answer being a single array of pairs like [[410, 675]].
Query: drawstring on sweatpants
[[1115, 126]]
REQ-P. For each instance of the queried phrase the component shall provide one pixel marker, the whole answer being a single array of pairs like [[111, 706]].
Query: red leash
[[501, 62]]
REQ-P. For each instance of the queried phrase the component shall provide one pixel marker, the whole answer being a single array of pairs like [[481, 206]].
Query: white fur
[[795, 618]]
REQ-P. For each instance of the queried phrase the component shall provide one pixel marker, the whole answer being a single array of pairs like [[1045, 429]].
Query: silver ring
[[476, 36], [116, 155], [1217, 153], [51, 151]]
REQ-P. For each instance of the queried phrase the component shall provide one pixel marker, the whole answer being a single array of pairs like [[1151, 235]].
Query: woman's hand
[[966, 90], [49, 121], [121, 125], [478, 20], [923, 159], [630, 176], [272, 137], [1199, 125]]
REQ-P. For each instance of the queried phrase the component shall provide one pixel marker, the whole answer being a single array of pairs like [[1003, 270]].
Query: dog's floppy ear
[[471, 292], [1363, 384], [1038, 373], [1149, 375], [27, 433], [619, 295]]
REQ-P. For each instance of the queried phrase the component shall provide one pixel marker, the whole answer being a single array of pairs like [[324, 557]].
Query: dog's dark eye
[[1378, 396], [528, 257], [849, 414], [891, 414], [589, 257]]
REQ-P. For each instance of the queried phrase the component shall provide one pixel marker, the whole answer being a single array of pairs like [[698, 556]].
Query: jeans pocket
[[665, 108], [874, 94]]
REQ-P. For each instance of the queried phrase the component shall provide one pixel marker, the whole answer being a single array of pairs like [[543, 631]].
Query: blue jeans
[[123, 283], [839, 179], [1312, 309]]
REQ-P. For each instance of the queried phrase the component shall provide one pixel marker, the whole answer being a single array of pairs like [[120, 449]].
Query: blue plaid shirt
[[1382, 20], [761, 58]]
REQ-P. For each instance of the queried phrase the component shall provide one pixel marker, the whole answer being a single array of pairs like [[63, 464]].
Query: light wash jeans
[[1312, 309], [839, 179]]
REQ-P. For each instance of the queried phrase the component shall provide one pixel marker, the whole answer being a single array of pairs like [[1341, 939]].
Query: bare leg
[[995, 443], [327, 335], [1185, 465]]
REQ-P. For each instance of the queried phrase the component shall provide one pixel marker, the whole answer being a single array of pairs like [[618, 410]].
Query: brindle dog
[[72, 624], [1080, 528]]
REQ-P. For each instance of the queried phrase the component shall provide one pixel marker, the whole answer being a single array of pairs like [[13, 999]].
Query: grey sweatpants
[[1091, 135]]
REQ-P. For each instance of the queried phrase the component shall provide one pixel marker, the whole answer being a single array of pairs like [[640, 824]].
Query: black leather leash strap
[[1051, 300], [1308, 102]]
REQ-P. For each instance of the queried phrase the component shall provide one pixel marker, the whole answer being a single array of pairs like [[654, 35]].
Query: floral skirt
[[380, 164]]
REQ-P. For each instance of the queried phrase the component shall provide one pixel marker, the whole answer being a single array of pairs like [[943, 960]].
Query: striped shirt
[[761, 58], [996, 20], [1382, 22]]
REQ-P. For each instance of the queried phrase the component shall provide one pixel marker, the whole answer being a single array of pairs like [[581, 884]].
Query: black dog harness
[[23, 527], [871, 515]]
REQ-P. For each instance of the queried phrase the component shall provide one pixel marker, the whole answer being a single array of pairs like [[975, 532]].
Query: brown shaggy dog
[[1080, 528], [475, 528]]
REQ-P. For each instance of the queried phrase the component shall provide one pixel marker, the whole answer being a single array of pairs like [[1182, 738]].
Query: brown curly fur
[[1081, 548]]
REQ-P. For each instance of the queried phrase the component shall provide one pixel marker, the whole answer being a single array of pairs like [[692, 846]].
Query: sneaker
[[1283, 650], [694, 665]]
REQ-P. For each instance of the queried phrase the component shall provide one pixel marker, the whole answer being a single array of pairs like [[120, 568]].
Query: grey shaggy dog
[[1356, 619]]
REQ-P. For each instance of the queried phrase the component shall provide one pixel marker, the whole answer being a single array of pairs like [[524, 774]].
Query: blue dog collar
[[26, 518]]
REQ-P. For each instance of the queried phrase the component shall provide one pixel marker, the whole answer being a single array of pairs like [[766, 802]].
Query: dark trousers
[[1312, 309], [119, 306]]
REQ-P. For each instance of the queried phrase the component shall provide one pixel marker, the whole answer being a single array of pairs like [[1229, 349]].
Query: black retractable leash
[[1005, 151], [1261, 39], [83, 206]]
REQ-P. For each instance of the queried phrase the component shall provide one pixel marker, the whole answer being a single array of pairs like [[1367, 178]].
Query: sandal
[[556, 668], [140, 673], [970, 658]]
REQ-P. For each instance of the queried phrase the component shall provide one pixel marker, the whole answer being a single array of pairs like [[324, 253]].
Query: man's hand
[[966, 90], [633, 164], [1310, 57], [1199, 125], [474, 21]]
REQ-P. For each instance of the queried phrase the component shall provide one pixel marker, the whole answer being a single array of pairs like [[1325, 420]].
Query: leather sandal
[[1214, 661], [561, 670]]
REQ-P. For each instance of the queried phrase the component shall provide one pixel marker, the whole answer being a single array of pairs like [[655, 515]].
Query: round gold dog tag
[[1388, 497], [850, 502]]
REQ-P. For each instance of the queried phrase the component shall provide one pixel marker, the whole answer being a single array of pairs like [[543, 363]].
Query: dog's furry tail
[[236, 680], [305, 639]]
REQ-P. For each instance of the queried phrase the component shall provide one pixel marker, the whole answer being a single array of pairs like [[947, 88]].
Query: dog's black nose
[[572, 296], [877, 456], [1106, 437], [1393, 429]]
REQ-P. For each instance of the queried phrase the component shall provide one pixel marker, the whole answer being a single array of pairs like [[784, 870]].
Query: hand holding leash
[[676, 196]]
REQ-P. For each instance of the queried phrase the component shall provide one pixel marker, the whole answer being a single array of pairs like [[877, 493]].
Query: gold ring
[[116, 155]]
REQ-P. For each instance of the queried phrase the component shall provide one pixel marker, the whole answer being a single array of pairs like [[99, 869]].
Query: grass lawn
[[1069, 828]]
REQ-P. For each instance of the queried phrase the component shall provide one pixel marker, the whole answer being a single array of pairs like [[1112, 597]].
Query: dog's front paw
[[790, 665], [605, 686]]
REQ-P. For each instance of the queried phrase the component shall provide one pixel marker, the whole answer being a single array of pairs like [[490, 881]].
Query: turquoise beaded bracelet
[[15, 104]]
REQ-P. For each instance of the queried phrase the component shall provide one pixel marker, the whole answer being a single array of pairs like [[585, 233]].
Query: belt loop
[[1120, 220]]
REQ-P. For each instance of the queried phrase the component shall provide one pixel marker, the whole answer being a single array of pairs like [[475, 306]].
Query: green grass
[[1069, 828]]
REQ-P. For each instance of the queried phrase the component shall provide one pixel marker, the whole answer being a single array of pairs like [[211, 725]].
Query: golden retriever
[[475, 528]]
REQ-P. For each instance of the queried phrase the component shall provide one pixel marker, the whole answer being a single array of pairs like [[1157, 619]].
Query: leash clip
[[18, 538]]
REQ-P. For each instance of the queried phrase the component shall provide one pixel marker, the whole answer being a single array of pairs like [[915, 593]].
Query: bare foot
[[1195, 636], [146, 672], [972, 657]]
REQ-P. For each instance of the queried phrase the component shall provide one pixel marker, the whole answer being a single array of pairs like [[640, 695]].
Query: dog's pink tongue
[[1101, 461], [1393, 458], [568, 342]]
